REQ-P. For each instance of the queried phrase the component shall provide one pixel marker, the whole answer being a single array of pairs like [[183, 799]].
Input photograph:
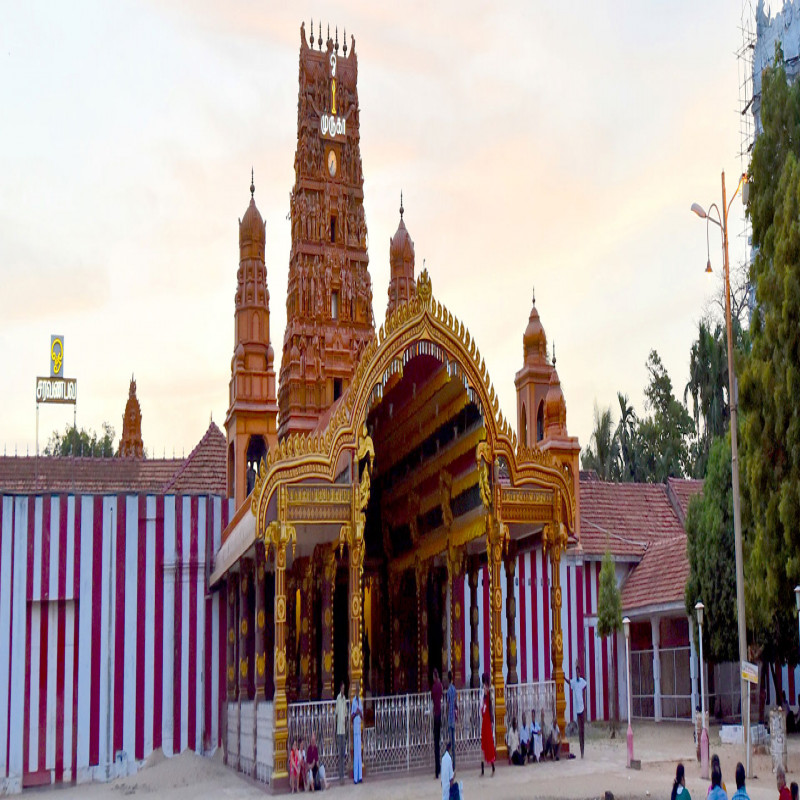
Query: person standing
[[356, 715], [578, 686], [436, 697], [341, 729], [452, 714], [487, 734], [741, 792], [679, 790]]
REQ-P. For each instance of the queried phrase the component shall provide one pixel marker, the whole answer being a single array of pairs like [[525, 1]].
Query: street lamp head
[[626, 625], [699, 210], [797, 597], [699, 608], [708, 267]]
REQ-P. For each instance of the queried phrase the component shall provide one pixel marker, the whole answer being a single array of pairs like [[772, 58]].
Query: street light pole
[[704, 731], [626, 626], [734, 406]]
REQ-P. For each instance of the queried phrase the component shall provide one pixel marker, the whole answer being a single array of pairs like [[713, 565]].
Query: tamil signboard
[[56, 356], [749, 672], [56, 390]]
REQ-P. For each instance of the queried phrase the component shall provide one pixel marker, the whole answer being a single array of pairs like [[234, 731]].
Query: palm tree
[[626, 439], [604, 458]]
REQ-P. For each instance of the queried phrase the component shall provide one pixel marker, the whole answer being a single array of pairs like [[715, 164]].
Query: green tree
[[710, 551], [602, 454], [664, 437], [609, 622], [626, 439], [770, 375], [81, 443]]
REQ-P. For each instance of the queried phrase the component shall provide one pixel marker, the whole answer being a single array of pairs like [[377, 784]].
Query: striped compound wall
[[114, 647]]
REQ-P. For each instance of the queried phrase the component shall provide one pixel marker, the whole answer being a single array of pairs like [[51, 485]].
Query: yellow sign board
[[749, 672], [56, 356]]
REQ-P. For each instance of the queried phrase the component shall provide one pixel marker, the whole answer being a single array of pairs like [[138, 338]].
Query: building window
[[335, 305], [337, 388], [333, 228]]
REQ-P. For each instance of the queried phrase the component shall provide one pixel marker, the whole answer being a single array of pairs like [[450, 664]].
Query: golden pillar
[[233, 624], [496, 540], [555, 542], [455, 574], [305, 581], [474, 618], [511, 618], [293, 671], [261, 622], [278, 535], [327, 588], [421, 575]]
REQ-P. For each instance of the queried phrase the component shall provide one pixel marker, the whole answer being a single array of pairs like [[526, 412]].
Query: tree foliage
[[602, 455], [710, 549], [609, 622], [81, 443], [770, 376]]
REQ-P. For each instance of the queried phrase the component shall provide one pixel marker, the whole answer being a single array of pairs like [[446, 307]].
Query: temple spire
[[401, 204], [252, 182]]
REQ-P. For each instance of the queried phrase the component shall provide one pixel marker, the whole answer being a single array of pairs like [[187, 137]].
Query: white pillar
[[656, 636], [693, 667]]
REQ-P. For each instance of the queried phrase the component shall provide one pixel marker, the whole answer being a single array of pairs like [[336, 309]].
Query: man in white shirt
[[341, 729], [578, 685], [525, 738], [447, 773]]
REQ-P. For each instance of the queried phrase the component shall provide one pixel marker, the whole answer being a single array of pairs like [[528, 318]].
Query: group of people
[[304, 766], [533, 741], [718, 791]]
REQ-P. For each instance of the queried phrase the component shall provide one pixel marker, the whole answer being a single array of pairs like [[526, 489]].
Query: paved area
[[659, 746]]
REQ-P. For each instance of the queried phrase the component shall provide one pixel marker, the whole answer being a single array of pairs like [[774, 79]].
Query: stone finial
[[319, 40], [252, 182], [336, 46], [401, 204], [344, 43]]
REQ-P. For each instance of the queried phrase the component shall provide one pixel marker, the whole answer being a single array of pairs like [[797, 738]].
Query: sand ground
[[659, 746]]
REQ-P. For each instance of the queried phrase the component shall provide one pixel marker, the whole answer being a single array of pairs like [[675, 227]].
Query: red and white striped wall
[[580, 583], [115, 646]]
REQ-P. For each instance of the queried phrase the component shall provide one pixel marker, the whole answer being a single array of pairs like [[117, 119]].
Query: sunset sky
[[550, 144]]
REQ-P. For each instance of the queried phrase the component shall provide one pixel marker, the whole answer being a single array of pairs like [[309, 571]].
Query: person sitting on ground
[[717, 792], [679, 790], [715, 763], [294, 767], [741, 792], [783, 789], [448, 775], [301, 762], [525, 737], [512, 740], [551, 736], [794, 791], [312, 764], [536, 737]]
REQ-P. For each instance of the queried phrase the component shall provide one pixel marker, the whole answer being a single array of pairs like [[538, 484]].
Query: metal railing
[[397, 732], [528, 698]]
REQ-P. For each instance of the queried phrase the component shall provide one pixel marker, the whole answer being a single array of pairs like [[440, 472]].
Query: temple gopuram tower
[[401, 261], [329, 294], [251, 420]]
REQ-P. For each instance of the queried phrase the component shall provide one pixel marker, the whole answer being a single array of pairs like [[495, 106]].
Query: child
[[294, 767]]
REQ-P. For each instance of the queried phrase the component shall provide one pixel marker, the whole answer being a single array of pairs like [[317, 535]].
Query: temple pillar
[[421, 575], [496, 536], [455, 564], [395, 581], [246, 667], [279, 535], [355, 603], [655, 629], [327, 588], [474, 618], [555, 542], [291, 636], [231, 655], [305, 606], [511, 619], [261, 623]]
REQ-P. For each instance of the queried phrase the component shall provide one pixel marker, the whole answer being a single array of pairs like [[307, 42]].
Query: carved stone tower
[[401, 259], [130, 443], [252, 414], [329, 295]]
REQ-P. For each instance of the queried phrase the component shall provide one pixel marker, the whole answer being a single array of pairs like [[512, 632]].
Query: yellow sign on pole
[[749, 672]]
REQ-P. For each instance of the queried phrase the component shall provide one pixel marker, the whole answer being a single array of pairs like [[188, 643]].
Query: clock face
[[332, 162]]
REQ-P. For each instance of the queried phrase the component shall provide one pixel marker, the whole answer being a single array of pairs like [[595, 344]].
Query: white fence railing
[[531, 698], [397, 734]]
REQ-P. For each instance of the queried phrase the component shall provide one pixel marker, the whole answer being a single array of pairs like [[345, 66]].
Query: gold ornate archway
[[301, 482]]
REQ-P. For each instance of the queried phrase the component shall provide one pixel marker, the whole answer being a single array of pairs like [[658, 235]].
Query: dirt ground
[[659, 746]]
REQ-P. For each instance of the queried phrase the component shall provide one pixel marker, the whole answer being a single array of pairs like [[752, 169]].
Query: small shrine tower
[[251, 420], [130, 443], [401, 259]]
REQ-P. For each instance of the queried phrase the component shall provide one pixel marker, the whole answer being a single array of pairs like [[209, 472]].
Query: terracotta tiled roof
[[625, 517], [205, 469], [683, 490], [203, 472], [660, 577]]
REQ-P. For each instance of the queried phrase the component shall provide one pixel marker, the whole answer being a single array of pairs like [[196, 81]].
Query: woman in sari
[[487, 734]]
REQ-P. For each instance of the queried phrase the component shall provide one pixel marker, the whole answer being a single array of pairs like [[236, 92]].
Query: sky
[[549, 145]]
